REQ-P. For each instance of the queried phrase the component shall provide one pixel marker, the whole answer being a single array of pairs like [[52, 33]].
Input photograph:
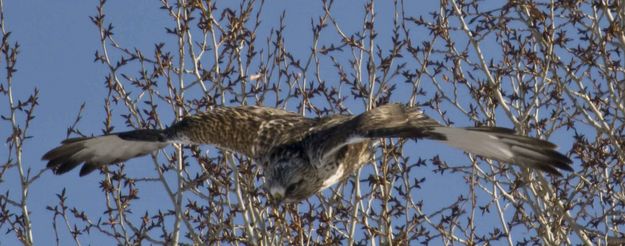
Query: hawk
[[301, 156]]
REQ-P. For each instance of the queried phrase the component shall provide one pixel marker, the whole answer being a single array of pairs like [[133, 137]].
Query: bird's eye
[[292, 187]]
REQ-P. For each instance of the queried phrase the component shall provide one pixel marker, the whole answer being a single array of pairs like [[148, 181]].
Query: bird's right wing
[[395, 120], [248, 130], [102, 150]]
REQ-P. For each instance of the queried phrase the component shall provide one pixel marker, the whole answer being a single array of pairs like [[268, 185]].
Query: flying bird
[[301, 156]]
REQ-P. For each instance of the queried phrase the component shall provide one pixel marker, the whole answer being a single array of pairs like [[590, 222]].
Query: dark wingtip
[[73, 140], [66, 149], [61, 166], [48, 155], [561, 161], [60, 159], [57, 171], [553, 163], [493, 129], [87, 169], [551, 170]]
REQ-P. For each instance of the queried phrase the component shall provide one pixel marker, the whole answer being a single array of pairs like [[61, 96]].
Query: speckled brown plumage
[[301, 156], [247, 129]]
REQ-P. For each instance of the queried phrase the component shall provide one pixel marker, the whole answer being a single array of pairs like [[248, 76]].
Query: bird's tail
[[102, 150]]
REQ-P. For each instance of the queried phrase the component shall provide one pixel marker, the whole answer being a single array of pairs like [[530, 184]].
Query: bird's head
[[291, 180]]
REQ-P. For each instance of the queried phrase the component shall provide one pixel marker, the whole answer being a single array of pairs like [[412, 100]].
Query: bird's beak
[[277, 194], [277, 199]]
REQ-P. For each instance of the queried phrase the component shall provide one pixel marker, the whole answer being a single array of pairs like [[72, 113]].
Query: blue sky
[[58, 42]]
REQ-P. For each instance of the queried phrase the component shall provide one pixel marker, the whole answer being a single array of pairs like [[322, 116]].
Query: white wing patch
[[336, 177], [476, 142], [109, 148], [352, 140]]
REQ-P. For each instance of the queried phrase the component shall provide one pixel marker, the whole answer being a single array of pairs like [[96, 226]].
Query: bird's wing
[[395, 120], [248, 130], [102, 150], [392, 120], [505, 145]]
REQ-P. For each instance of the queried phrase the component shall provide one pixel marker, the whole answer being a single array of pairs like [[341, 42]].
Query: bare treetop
[[551, 70]]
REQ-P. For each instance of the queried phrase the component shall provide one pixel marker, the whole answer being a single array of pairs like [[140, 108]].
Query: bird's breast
[[344, 163]]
